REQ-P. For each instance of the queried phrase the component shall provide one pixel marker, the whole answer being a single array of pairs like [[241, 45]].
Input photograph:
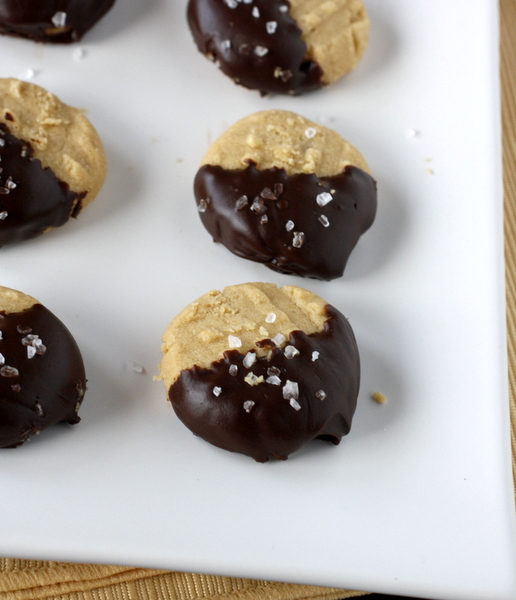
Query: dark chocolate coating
[[324, 250], [33, 18], [32, 198], [273, 427], [227, 32], [42, 390]]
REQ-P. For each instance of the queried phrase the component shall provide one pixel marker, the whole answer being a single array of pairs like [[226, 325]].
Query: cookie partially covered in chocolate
[[279, 189], [52, 163], [262, 370], [281, 46], [42, 379], [58, 21]]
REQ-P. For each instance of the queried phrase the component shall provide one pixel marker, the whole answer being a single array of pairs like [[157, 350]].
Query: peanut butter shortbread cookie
[[279, 189], [42, 379], [52, 162], [280, 46], [262, 370], [58, 21]]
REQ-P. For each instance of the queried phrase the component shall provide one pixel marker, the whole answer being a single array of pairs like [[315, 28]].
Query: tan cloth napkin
[[43, 580]]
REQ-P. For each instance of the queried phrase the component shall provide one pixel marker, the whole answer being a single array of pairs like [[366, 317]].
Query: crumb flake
[[252, 379], [380, 398], [248, 406]]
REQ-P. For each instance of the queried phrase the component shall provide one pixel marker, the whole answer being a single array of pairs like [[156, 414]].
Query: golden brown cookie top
[[237, 318], [336, 33], [12, 301], [283, 139], [61, 136]]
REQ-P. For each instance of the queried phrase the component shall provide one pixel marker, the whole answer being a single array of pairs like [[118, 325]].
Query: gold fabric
[[43, 580]]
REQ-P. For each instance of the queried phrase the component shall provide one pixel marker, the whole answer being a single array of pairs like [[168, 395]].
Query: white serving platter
[[418, 499]]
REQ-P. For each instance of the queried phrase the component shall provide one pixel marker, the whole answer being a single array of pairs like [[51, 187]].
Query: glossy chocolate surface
[[42, 379], [275, 426], [60, 21], [32, 198], [274, 218], [257, 44]]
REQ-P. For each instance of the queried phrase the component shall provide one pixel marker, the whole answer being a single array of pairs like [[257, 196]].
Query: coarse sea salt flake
[[310, 132], [261, 51], [59, 19], [289, 225], [323, 198], [2, 359], [278, 339], [291, 351], [323, 219], [249, 360], [248, 406], [271, 26], [255, 12], [270, 318], [233, 370], [3, 215], [290, 390], [273, 380], [295, 404], [321, 394], [217, 390], [234, 341], [299, 239], [31, 351], [315, 355]]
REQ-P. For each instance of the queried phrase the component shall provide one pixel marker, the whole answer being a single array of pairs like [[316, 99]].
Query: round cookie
[[281, 46], [262, 370], [279, 189], [59, 21], [42, 379], [52, 163]]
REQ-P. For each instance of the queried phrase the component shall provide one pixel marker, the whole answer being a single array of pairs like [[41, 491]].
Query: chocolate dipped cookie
[[279, 189], [52, 163], [58, 21], [42, 379], [281, 46], [262, 370]]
